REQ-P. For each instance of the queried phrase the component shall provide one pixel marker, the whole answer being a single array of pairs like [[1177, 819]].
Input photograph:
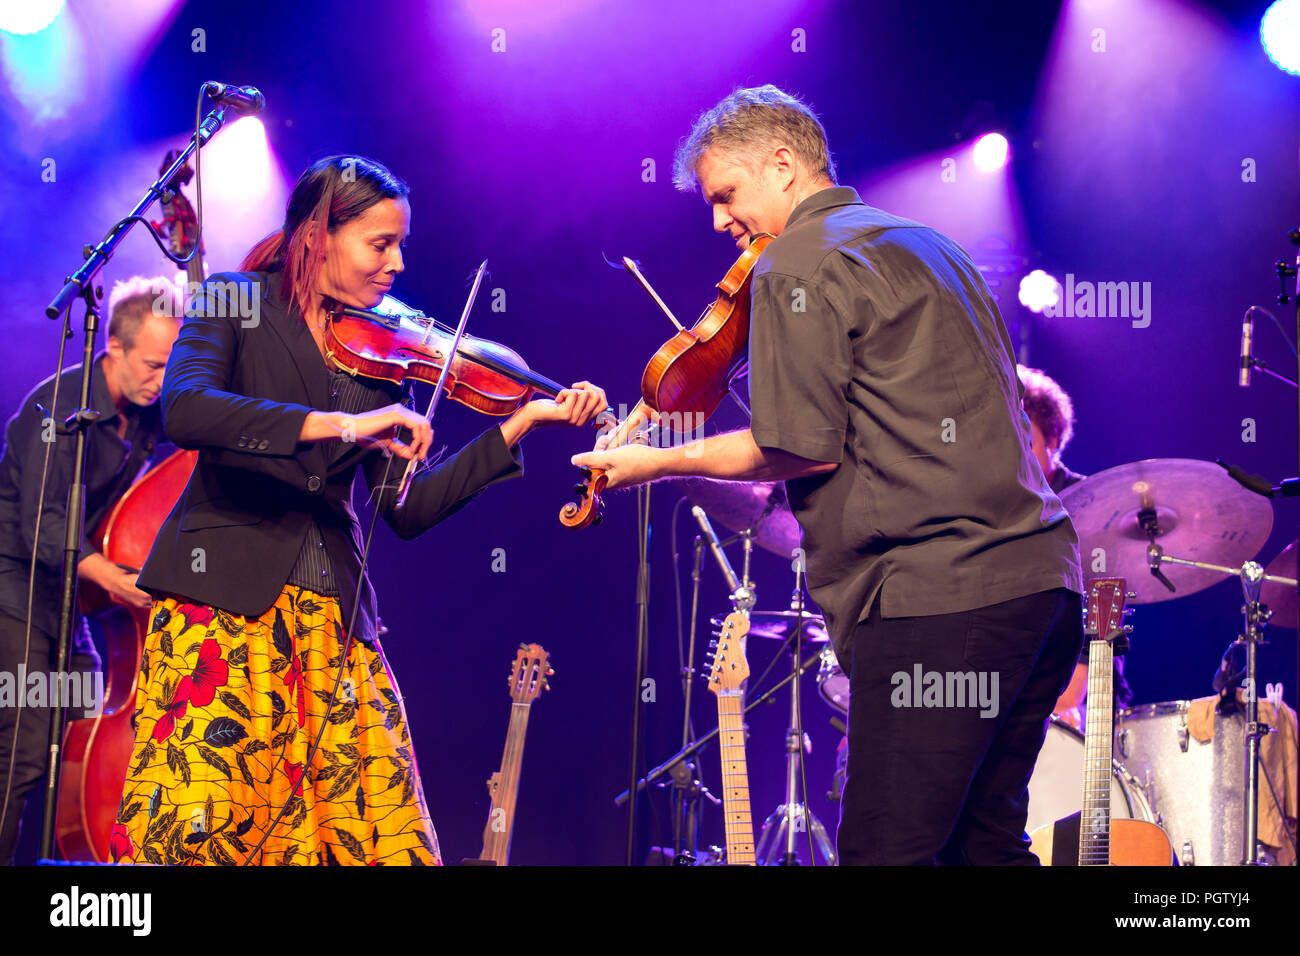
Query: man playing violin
[[127, 378], [884, 393]]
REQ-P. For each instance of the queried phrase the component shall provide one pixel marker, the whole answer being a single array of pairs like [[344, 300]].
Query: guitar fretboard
[[735, 778], [1094, 824]]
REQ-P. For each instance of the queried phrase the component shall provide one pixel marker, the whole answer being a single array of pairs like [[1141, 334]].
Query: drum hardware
[[1138, 516], [1190, 515], [793, 817], [1195, 792]]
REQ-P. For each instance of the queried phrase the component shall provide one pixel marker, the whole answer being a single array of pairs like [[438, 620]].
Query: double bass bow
[[689, 375]]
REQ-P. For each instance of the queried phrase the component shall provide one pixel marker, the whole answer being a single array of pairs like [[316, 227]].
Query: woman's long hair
[[331, 192]]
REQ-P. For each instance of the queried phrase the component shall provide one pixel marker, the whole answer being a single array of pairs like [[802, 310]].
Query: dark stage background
[[1169, 157]]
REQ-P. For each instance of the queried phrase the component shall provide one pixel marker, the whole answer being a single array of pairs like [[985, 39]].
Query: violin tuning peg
[[598, 519], [579, 488]]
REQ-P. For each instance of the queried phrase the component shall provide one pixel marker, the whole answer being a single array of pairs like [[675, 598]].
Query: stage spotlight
[[1279, 32], [991, 151], [28, 17], [1039, 291]]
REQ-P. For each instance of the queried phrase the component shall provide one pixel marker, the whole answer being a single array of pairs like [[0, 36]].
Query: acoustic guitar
[[528, 676], [1091, 837]]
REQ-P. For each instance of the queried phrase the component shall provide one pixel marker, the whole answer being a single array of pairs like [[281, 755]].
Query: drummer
[[1051, 420]]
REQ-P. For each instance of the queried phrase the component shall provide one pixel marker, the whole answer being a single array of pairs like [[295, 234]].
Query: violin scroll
[[587, 510]]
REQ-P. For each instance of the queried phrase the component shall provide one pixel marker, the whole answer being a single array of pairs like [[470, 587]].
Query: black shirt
[[112, 464], [874, 343], [314, 570]]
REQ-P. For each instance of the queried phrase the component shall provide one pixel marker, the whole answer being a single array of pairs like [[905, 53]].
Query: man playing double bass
[[126, 382], [884, 393]]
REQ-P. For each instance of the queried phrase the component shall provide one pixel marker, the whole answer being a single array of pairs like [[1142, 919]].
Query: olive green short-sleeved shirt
[[874, 343]]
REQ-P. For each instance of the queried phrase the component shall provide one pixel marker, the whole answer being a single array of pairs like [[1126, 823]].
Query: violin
[[690, 373], [397, 343]]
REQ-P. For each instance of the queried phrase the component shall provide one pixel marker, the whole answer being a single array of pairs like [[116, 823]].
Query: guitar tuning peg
[[523, 646], [1131, 595], [549, 670]]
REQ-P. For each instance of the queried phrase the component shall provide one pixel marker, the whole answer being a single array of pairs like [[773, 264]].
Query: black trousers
[[935, 775], [33, 723]]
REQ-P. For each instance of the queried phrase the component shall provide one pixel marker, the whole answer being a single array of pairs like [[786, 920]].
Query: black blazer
[[242, 377]]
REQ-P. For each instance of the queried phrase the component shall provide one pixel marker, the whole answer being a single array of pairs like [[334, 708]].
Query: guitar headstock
[[1104, 612], [528, 675], [730, 667]]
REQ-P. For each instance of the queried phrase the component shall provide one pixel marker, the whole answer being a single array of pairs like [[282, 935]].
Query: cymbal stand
[[793, 816], [1256, 617]]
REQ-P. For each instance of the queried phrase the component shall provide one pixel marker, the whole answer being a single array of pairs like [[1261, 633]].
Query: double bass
[[97, 750]]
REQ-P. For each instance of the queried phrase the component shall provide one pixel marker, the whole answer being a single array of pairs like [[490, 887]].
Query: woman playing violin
[[258, 573]]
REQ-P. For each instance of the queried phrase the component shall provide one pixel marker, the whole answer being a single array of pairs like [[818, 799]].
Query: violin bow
[[405, 484]]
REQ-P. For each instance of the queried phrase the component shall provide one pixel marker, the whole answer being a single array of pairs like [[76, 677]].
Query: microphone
[[245, 100], [1247, 349], [733, 583]]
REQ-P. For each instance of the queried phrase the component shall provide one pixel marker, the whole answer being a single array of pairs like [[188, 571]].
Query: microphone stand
[[693, 748], [687, 788], [81, 285], [1285, 272]]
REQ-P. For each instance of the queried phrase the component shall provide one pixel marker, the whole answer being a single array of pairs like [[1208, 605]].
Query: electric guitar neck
[[727, 681]]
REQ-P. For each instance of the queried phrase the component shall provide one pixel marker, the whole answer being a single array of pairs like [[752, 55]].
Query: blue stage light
[[1279, 32]]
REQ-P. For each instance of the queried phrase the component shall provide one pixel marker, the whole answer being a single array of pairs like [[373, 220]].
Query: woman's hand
[[377, 429], [572, 406]]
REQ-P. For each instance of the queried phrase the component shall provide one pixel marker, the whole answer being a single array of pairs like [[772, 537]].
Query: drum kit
[[1169, 528]]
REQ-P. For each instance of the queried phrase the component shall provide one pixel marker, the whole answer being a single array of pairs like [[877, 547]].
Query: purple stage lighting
[[1038, 291], [1279, 32], [991, 151]]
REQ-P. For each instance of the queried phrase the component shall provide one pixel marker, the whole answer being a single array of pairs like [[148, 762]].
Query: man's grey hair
[[749, 124], [135, 299]]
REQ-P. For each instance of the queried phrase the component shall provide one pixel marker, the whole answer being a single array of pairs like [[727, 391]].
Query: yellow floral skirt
[[226, 711]]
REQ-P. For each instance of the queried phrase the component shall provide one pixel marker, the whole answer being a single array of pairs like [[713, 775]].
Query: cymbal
[[1200, 514], [1281, 598], [740, 504], [779, 625]]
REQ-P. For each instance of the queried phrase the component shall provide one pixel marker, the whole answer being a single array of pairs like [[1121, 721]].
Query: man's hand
[[627, 429], [626, 466], [120, 584]]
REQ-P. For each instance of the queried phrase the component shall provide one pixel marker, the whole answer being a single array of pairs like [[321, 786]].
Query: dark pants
[[33, 723], [941, 783]]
